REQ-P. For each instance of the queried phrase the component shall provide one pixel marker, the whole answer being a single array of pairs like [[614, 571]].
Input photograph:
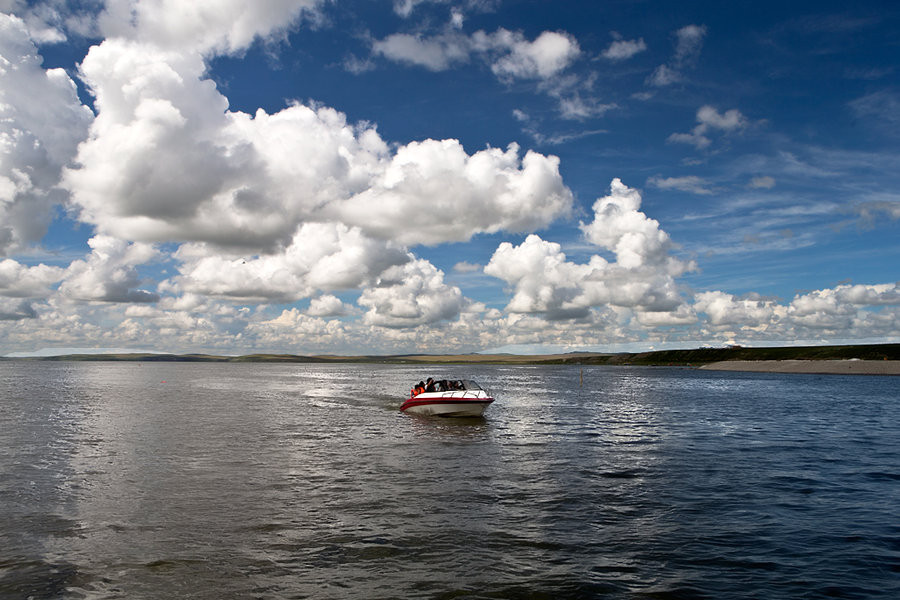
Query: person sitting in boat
[[429, 385], [417, 389]]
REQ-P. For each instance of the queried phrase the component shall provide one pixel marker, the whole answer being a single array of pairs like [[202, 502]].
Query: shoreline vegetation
[[872, 359]]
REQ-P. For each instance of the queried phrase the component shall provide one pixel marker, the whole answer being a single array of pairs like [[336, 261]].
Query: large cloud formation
[[277, 207], [203, 216], [167, 161]]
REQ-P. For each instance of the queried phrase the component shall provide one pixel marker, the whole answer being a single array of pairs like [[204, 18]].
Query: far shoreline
[[865, 359]]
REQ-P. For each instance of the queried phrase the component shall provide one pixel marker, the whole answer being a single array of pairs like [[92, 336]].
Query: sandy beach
[[827, 367]]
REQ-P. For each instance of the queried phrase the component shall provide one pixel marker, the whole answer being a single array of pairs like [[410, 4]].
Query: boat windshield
[[468, 384]]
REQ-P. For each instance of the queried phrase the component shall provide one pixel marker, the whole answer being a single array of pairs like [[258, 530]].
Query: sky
[[447, 176]]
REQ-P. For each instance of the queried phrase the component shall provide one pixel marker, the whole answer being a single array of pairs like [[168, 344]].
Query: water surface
[[153, 480]]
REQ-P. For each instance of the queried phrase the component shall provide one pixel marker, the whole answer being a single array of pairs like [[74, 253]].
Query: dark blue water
[[123, 480]]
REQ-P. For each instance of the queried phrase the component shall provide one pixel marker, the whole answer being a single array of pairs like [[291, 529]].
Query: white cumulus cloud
[[326, 305], [109, 274], [547, 55], [20, 281], [202, 26], [15, 310], [320, 257], [544, 281], [843, 312], [722, 308], [839, 307], [636, 239], [433, 192], [410, 295]]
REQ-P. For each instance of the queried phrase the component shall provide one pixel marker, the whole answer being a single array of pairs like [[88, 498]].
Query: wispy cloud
[[688, 183], [763, 182], [709, 121], [881, 109], [688, 44], [624, 49], [509, 54]]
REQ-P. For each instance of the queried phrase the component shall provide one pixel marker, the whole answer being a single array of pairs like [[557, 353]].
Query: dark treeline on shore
[[694, 357]]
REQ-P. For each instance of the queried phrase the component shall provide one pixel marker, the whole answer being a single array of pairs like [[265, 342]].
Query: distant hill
[[692, 357]]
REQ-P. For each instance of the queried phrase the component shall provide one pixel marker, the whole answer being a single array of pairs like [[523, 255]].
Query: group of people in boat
[[430, 385]]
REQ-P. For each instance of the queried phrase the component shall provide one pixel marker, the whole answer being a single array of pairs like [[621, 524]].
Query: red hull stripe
[[426, 401]]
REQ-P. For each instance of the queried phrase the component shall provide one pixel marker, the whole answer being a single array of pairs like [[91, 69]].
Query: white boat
[[463, 398]]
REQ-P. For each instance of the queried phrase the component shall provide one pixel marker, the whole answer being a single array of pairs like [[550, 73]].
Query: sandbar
[[822, 367]]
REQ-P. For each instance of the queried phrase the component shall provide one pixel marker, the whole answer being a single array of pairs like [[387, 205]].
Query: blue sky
[[438, 176]]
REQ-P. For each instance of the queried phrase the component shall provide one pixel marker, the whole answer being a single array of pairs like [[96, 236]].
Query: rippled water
[[129, 480]]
